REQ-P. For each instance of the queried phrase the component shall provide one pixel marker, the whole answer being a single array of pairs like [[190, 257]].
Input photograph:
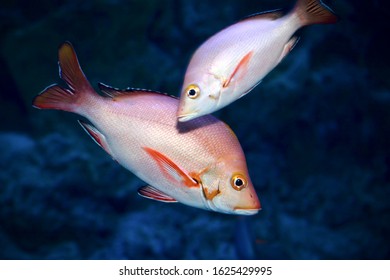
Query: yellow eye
[[192, 91], [238, 182]]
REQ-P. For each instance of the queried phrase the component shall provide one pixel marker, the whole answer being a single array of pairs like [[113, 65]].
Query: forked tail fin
[[59, 98], [314, 12]]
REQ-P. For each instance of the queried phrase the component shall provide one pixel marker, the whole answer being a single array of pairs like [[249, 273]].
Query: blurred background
[[316, 134]]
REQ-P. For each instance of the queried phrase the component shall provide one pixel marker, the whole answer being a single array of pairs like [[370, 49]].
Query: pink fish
[[232, 62], [198, 163]]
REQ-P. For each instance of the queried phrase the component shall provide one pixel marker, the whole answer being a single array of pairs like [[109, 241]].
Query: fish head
[[200, 96], [227, 188]]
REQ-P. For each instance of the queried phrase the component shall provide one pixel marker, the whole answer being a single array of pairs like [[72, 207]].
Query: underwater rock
[[141, 235], [51, 194]]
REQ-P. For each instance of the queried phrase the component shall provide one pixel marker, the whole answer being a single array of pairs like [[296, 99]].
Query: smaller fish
[[199, 163], [234, 61]]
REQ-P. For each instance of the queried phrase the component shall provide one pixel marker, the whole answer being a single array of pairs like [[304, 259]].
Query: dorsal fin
[[271, 15], [115, 92]]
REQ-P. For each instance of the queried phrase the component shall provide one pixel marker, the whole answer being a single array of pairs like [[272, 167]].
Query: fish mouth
[[187, 117], [248, 208], [246, 211]]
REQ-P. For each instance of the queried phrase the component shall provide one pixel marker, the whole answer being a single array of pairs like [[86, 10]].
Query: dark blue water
[[316, 134]]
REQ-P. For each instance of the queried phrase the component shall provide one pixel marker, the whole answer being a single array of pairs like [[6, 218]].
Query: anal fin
[[155, 194], [97, 136], [288, 47]]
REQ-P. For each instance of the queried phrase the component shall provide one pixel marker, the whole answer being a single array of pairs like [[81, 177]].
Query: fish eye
[[238, 182], [192, 91]]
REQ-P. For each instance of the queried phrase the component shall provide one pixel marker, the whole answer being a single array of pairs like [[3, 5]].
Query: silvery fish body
[[232, 62], [199, 163]]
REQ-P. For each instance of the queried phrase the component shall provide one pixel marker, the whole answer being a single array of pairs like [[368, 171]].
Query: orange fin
[[171, 170], [288, 47], [240, 69], [57, 97], [96, 135], [70, 70], [155, 194], [314, 12]]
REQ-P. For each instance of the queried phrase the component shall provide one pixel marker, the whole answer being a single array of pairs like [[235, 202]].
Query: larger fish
[[232, 62], [198, 163]]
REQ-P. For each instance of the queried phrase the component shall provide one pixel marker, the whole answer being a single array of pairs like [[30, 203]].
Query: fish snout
[[184, 114], [249, 207], [186, 117]]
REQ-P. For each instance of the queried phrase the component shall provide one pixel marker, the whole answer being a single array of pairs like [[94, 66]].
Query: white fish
[[232, 62], [199, 163]]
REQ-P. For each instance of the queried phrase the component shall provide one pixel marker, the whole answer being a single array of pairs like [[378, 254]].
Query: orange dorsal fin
[[240, 70], [171, 170], [155, 194]]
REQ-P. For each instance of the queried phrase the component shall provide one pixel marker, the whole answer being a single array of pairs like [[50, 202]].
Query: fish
[[200, 163], [235, 60]]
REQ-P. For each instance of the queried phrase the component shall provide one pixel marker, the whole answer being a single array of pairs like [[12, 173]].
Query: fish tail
[[314, 12], [66, 99]]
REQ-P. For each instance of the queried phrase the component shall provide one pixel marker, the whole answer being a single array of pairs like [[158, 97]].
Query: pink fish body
[[199, 163], [232, 62]]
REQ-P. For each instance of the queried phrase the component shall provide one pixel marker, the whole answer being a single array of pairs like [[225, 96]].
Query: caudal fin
[[59, 98], [314, 12]]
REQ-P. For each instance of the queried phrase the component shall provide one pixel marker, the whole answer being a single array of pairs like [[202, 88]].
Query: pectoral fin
[[155, 194], [171, 170], [240, 70]]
